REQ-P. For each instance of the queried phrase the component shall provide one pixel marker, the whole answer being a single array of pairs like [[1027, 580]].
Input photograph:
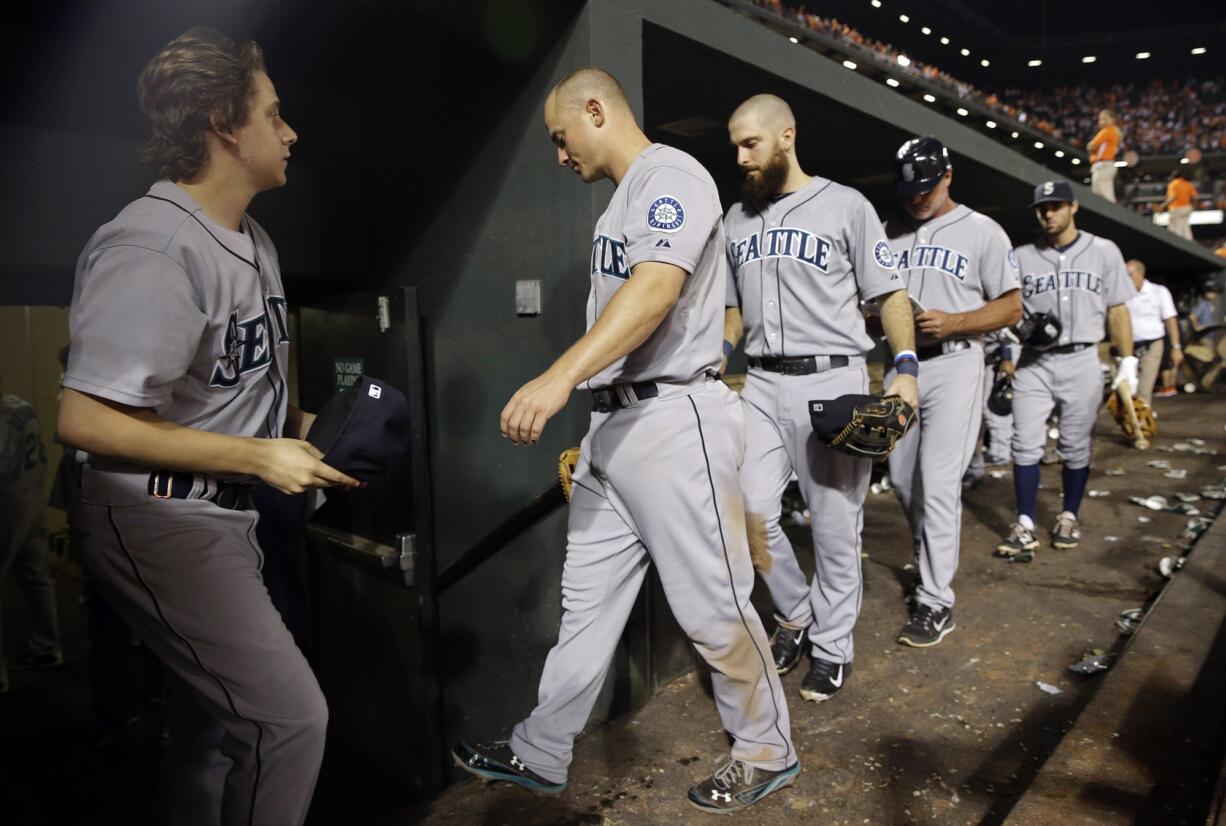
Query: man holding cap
[[959, 268], [1075, 279]]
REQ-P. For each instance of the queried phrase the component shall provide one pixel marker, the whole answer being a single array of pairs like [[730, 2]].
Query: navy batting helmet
[[1000, 401], [919, 165]]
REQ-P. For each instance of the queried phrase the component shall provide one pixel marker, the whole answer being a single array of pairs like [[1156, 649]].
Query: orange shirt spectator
[[1180, 193], [1105, 144]]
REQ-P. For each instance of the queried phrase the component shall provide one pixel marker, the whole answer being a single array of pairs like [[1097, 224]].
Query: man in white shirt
[[1151, 309]]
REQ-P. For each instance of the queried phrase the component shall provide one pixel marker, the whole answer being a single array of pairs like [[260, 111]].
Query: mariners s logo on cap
[[666, 214], [908, 172], [1049, 187], [884, 255]]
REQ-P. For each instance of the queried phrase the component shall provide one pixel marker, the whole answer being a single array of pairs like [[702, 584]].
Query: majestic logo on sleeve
[[1038, 283], [883, 254], [249, 345], [666, 214], [930, 256], [782, 242]]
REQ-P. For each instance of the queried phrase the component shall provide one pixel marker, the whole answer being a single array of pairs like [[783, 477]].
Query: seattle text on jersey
[[782, 242], [930, 256], [247, 344], [609, 257], [1038, 283]]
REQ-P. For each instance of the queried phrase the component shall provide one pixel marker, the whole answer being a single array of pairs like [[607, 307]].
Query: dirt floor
[[948, 735]]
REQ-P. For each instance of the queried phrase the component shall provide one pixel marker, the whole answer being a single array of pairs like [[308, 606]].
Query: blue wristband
[[905, 354], [907, 367], [728, 348]]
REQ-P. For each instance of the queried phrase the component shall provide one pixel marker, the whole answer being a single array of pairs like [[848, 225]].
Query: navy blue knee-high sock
[[1026, 487], [1075, 480]]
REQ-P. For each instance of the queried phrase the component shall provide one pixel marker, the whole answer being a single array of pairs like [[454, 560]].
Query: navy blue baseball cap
[[363, 431], [830, 416], [1053, 191], [919, 165]]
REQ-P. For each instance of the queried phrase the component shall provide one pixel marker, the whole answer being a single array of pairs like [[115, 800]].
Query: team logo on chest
[[1038, 283], [931, 256], [783, 242], [249, 345]]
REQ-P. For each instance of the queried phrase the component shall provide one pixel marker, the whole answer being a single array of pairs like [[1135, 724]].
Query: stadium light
[[1089, 59], [963, 112], [1142, 55], [991, 124], [889, 81], [794, 40], [985, 63], [1033, 63], [1059, 153], [1015, 135], [849, 64], [1120, 164], [966, 52], [930, 99], [1183, 160], [1038, 144], [926, 30], [1199, 50], [944, 41], [903, 60], [876, 4], [1076, 161], [904, 18]]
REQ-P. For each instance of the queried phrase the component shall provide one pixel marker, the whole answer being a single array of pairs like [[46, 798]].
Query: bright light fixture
[[1059, 153], [889, 81], [1015, 134], [991, 124], [1183, 160], [876, 4], [944, 41], [1089, 59], [1033, 63], [904, 18], [1142, 55], [1038, 144], [926, 30], [985, 63], [849, 64], [966, 52], [794, 40], [1199, 50], [903, 60], [930, 98], [1120, 164], [1076, 161], [963, 112]]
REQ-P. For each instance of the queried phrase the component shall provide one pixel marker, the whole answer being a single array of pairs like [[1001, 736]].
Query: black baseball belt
[[167, 484], [1068, 348], [617, 396], [941, 348], [798, 365]]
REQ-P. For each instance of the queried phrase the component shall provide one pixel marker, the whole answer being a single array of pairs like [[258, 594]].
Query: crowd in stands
[[1157, 118]]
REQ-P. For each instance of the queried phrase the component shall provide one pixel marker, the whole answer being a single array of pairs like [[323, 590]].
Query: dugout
[[423, 175]]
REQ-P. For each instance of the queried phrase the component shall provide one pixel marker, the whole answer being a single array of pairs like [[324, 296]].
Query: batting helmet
[[1039, 330], [1000, 401], [919, 165]]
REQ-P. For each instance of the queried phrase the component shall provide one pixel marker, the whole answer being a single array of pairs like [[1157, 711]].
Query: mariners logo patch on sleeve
[[666, 214], [884, 255], [1013, 260]]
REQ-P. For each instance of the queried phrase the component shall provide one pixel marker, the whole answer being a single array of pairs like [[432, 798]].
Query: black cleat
[[1019, 540], [787, 647], [1067, 532], [824, 679], [496, 761], [737, 784], [927, 626]]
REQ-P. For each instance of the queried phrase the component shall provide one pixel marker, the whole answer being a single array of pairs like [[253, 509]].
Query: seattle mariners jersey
[[23, 461], [1076, 285], [955, 263], [666, 209], [174, 312], [801, 268]]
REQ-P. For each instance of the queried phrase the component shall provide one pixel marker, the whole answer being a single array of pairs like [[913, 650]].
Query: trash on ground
[[1130, 620], [1099, 494], [1111, 539], [1049, 688], [1213, 492], [1182, 447], [998, 474], [1020, 557], [1154, 503], [1093, 662], [1197, 442], [1144, 520], [1161, 464], [1119, 471], [1188, 497], [1168, 565], [1176, 473]]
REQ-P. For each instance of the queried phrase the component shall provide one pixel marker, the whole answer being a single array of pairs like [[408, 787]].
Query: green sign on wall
[[346, 372]]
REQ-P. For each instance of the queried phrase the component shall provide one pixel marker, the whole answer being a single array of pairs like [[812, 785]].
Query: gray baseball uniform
[[955, 263], [657, 481], [799, 271], [23, 539], [175, 313], [1075, 284]]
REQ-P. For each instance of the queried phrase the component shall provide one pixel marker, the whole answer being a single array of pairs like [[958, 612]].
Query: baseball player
[[656, 479], [23, 540], [176, 390], [959, 269], [804, 252], [1153, 315], [1076, 280]]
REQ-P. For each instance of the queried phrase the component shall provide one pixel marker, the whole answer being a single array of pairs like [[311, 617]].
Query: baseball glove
[[1145, 416], [566, 468], [874, 428]]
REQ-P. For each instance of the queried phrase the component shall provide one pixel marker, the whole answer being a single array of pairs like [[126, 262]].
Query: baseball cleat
[[736, 784], [1019, 539], [823, 680], [787, 646], [496, 761], [1066, 533], [927, 626]]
